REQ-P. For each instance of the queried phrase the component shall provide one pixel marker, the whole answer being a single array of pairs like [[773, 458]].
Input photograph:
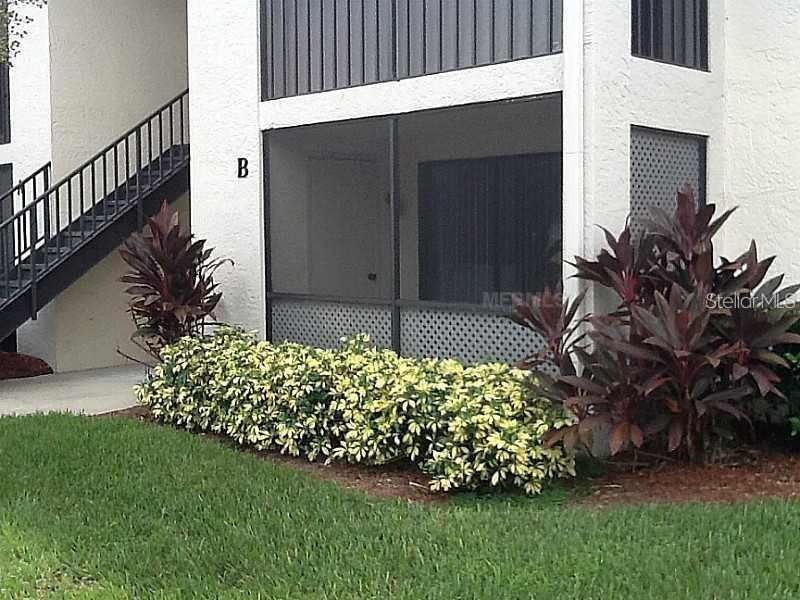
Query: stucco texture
[[29, 149], [114, 62], [762, 126], [227, 210]]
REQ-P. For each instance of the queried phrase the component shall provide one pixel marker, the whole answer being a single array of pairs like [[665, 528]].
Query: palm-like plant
[[689, 343], [172, 287]]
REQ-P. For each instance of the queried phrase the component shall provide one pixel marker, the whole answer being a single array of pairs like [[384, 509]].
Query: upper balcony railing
[[317, 45]]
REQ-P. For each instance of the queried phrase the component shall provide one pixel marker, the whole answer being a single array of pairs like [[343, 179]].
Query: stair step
[[56, 249], [112, 207], [88, 222], [6, 291], [65, 236]]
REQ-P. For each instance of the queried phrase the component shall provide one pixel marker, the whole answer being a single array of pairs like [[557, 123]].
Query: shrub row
[[467, 427]]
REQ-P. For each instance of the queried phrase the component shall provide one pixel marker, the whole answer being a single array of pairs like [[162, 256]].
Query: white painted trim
[[515, 79], [573, 221]]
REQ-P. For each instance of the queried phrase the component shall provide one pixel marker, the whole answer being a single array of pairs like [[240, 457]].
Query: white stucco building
[[397, 167], [25, 120]]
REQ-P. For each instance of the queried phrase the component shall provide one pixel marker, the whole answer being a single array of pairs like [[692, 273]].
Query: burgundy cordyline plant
[[172, 287], [687, 350]]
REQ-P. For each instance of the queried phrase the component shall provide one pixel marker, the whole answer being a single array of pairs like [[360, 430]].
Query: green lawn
[[93, 508]]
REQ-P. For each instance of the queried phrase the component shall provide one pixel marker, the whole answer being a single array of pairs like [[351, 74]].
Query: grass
[[94, 508]]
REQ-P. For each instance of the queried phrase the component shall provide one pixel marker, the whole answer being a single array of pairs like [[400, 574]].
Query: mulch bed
[[756, 474], [19, 366], [752, 475], [397, 480]]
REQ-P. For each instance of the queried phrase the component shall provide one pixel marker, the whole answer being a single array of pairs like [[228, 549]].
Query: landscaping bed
[[19, 366], [754, 475], [467, 427], [750, 475]]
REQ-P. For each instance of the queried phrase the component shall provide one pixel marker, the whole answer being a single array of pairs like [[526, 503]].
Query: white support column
[[227, 203], [574, 233]]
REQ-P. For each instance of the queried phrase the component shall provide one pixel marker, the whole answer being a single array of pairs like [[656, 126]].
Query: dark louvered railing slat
[[316, 45]]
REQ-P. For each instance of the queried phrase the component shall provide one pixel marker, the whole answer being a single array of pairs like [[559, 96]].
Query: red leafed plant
[[172, 287], [687, 349]]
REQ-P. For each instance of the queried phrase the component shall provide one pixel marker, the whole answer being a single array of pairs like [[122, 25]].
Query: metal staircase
[[58, 231]]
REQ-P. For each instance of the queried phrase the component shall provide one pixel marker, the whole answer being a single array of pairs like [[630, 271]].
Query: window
[[662, 162], [6, 211], [5, 105], [488, 226], [672, 31]]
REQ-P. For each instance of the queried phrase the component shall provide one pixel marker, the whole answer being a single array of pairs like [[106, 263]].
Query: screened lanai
[[416, 229]]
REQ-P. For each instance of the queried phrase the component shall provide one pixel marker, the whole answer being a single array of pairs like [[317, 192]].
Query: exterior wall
[[762, 121], [517, 79], [30, 134], [90, 317], [620, 91], [746, 103], [573, 120], [227, 126], [30, 100], [228, 211], [113, 63]]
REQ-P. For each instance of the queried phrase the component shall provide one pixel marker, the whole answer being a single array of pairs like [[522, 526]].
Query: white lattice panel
[[466, 336], [323, 324], [661, 164]]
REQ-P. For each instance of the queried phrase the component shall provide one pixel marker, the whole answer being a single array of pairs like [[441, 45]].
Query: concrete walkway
[[84, 392]]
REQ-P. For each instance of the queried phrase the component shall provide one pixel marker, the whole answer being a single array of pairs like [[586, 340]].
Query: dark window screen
[[489, 225], [673, 31], [6, 240], [6, 211]]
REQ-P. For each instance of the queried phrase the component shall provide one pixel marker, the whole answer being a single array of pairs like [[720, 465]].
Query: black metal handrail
[[65, 215], [37, 183], [18, 196]]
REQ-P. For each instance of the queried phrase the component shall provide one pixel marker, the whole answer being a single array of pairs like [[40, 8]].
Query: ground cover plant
[[468, 427], [685, 359], [111, 509]]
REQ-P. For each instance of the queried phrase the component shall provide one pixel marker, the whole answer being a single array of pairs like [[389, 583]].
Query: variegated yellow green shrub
[[468, 427]]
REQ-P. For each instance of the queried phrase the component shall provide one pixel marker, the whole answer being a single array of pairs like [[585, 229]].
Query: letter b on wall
[[243, 168]]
